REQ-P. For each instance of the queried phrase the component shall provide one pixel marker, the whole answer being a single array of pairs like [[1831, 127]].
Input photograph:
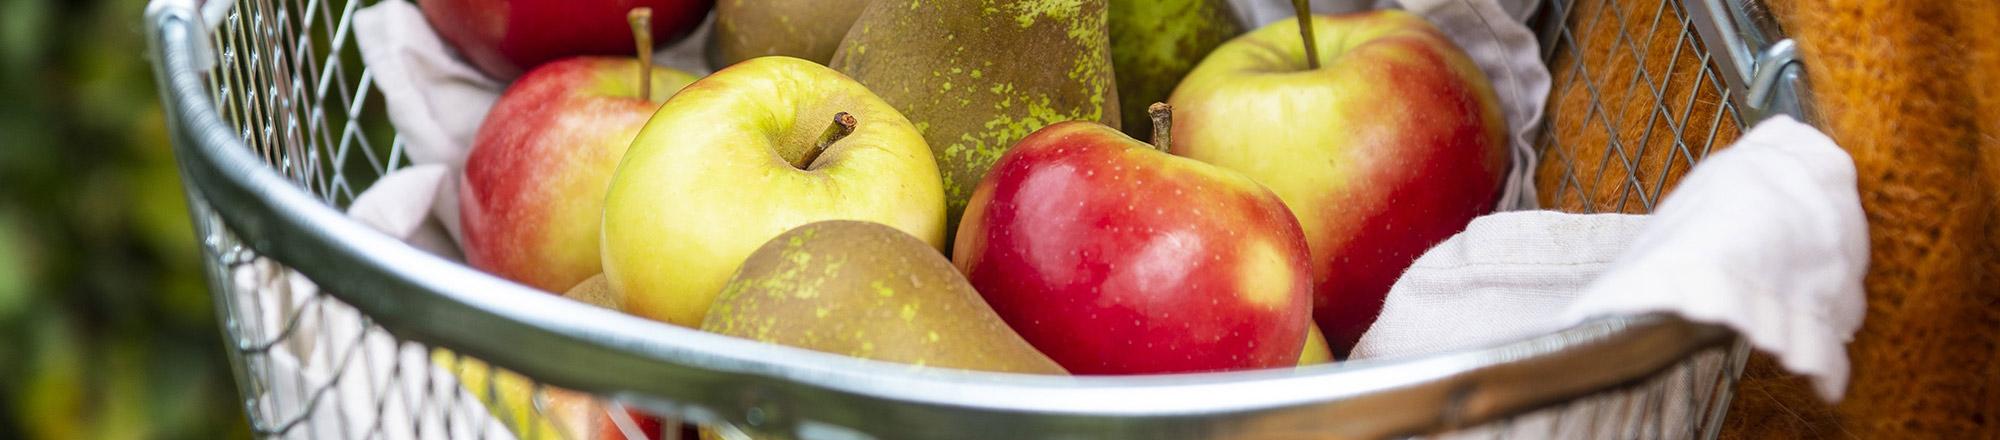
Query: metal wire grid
[[289, 78], [1689, 401], [1623, 122], [283, 66]]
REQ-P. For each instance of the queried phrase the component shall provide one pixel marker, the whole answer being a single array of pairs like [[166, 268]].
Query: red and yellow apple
[[1112, 257], [534, 183], [744, 155], [1391, 144], [507, 37]]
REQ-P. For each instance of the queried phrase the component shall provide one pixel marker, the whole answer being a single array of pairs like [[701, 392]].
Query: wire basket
[[337, 331]]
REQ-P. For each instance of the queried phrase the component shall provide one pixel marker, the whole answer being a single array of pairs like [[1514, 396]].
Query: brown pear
[[807, 29], [870, 291], [975, 76]]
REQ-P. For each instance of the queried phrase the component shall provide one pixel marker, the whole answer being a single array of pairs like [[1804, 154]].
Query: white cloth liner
[[334, 348], [1766, 237], [436, 102]]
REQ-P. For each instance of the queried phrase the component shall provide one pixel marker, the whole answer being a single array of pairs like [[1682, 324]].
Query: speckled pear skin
[[807, 29], [1155, 43], [869, 291], [977, 75]]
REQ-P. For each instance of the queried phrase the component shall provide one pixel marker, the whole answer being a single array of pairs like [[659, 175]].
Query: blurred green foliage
[[106, 329]]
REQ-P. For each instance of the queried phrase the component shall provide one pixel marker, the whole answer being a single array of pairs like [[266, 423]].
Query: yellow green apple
[[748, 153]]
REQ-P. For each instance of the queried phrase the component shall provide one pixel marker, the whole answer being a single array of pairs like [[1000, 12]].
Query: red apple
[[1388, 141], [533, 190], [1115, 258], [506, 37], [646, 426]]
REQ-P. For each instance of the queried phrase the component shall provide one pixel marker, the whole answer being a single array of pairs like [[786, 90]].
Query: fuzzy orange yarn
[[1912, 91]]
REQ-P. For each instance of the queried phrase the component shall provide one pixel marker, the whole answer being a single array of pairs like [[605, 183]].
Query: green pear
[[1155, 43], [977, 75], [869, 291], [808, 29]]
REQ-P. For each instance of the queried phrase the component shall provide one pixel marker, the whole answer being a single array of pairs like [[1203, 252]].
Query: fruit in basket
[[633, 425], [1116, 258], [807, 29], [533, 189], [507, 37], [1316, 351], [510, 397], [746, 154], [598, 291], [870, 291], [1387, 142], [1154, 43], [978, 75]]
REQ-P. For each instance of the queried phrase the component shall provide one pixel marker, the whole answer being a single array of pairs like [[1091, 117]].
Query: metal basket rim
[[431, 300]]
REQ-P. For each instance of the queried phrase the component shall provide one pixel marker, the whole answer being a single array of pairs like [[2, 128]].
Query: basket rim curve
[[425, 298]]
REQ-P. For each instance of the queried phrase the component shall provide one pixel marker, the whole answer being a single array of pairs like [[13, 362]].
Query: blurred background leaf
[[106, 329]]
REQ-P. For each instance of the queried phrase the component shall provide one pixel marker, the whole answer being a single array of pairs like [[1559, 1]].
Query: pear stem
[[843, 125], [1163, 126], [1306, 31], [642, 33]]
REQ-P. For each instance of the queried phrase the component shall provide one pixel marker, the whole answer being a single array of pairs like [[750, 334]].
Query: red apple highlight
[[1392, 143], [507, 37], [1115, 258]]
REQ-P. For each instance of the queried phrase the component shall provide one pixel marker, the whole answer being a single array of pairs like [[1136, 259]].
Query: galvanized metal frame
[[782, 390]]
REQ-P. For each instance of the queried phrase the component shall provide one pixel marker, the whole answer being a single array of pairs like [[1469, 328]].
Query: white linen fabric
[[1766, 237]]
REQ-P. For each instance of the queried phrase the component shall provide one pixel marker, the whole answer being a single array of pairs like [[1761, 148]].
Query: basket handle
[[1761, 67]]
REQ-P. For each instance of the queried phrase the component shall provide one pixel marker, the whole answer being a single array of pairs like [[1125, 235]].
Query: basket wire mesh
[[1623, 124]]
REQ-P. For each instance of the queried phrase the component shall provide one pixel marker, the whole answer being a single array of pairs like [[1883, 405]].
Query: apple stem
[[1163, 125], [843, 125], [1306, 30], [642, 32]]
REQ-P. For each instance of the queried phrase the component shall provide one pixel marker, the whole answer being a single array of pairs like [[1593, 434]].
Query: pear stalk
[[1163, 126], [642, 33], [1306, 31], [843, 125]]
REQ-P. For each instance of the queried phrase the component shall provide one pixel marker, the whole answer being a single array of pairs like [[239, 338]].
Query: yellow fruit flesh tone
[[1316, 351], [711, 178]]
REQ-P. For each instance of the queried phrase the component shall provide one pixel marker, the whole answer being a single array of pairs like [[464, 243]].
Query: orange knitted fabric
[[1909, 88], [1912, 91]]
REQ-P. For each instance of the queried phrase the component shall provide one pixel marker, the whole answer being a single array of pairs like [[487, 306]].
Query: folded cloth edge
[[1836, 313]]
